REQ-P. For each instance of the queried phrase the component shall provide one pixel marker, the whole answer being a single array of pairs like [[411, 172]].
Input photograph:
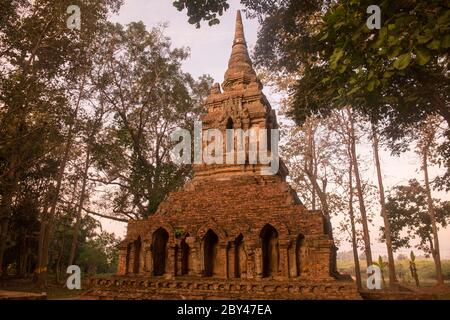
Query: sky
[[210, 48]]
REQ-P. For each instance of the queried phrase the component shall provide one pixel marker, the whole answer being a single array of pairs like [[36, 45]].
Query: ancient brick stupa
[[231, 232]]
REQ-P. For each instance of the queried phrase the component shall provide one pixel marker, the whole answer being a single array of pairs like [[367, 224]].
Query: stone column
[[178, 262], [258, 264], [197, 259], [170, 263], [253, 260], [231, 260], [142, 259], [122, 263], [243, 257], [131, 256], [148, 263], [283, 268], [292, 261], [222, 260], [250, 263]]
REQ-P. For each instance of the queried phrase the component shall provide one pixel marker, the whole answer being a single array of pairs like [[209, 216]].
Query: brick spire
[[240, 70]]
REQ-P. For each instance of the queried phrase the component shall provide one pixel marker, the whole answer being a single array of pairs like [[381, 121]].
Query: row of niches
[[208, 256]]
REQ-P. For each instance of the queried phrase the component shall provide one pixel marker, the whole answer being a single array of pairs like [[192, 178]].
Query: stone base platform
[[151, 288], [18, 295]]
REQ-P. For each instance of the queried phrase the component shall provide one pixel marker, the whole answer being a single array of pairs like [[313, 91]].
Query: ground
[[425, 268]]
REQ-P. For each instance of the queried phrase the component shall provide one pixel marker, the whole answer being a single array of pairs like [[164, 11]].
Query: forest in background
[[85, 119]]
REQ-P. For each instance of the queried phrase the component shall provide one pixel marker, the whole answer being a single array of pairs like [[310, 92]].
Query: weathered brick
[[230, 232]]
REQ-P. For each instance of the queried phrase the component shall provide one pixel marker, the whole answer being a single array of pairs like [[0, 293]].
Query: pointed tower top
[[240, 70], [239, 36]]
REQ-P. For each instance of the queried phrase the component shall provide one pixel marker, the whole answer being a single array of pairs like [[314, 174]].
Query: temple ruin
[[231, 232]]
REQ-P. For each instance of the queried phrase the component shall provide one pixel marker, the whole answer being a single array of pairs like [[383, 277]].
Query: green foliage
[[99, 254], [153, 98], [179, 233], [95, 105], [206, 10], [409, 218], [395, 75], [382, 265], [42, 61]]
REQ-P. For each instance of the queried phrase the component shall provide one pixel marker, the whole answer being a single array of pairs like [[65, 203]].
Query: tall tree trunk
[[43, 250], [76, 228], [309, 160], [11, 182], [5, 211], [311, 173], [42, 267], [352, 223], [59, 260], [3, 239], [9, 186], [362, 207], [435, 249], [23, 254], [384, 214], [42, 228]]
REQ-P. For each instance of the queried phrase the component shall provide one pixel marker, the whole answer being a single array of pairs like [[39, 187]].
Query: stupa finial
[[240, 70]]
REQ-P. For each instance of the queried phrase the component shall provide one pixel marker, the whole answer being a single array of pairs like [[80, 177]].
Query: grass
[[54, 291], [425, 271]]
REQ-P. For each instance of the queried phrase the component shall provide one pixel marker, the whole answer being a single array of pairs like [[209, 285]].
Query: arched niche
[[137, 254], [159, 251], [210, 248], [229, 136], [270, 251], [299, 256], [186, 259], [240, 257]]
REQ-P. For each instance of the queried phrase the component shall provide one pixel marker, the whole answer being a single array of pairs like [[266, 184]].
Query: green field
[[425, 270]]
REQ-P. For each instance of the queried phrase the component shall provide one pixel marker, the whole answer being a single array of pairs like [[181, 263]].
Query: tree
[[90, 118], [99, 254], [413, 269], [34, 95], [147, 96], [382, 265], [359, 187], [206, 11], [384, 215], [352, 222], [93, 126], [318, 156], [376, 70], [409, 217], [425, 147], [308, 153]]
